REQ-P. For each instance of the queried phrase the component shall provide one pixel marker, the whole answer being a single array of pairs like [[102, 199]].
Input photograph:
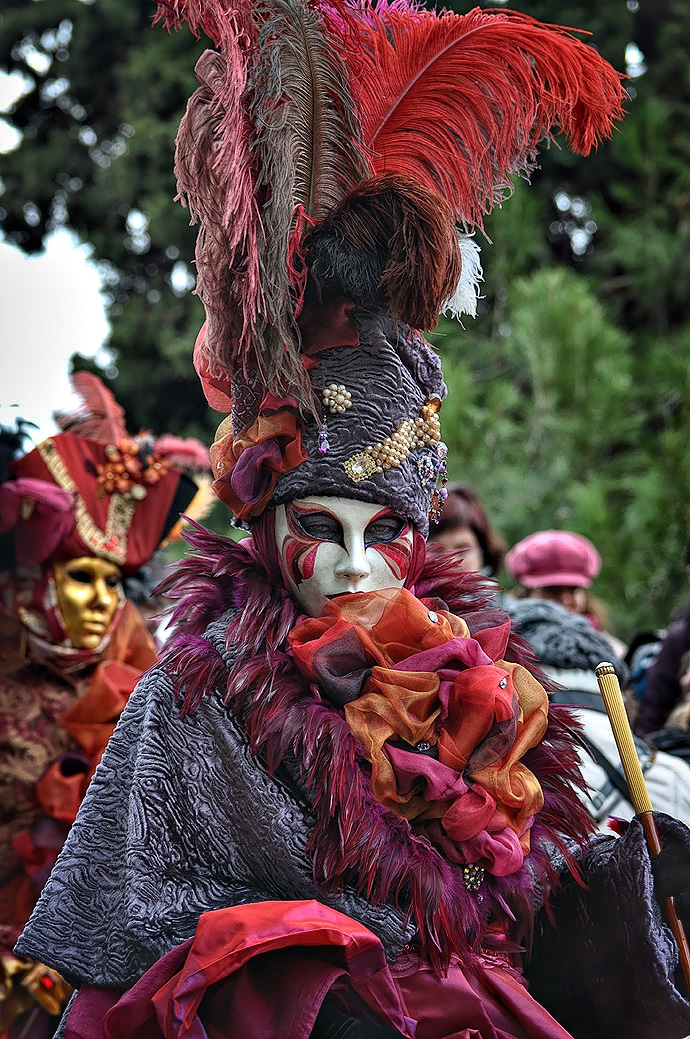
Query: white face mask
[[332, 546]]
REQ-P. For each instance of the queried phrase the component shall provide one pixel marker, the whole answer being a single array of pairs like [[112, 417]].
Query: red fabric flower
[[247, 465]]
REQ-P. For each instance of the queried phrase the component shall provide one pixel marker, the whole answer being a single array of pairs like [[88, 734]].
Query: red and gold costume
[[76, 514]]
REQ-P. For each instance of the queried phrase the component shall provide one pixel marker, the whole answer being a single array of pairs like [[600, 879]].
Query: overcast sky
[[51, 307]]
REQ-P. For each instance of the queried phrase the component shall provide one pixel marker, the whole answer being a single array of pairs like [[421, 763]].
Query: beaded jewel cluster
[[440, 495], [473, 876], [336, 398], [423, 431], [129, 466]]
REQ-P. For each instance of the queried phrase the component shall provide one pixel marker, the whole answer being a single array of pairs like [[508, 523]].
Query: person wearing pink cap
[[559, 565]]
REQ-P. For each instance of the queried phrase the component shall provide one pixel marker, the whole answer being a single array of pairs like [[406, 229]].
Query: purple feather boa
[[356, 839]]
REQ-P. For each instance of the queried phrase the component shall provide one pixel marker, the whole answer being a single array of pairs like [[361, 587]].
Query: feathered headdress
[[342, 154], [95, 490]]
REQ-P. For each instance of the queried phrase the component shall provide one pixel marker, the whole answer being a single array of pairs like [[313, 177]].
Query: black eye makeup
[[384, 529], [321, 527]]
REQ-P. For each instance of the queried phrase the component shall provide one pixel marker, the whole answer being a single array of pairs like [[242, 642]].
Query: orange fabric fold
[[388, 709], [424, 678], [92, 718], [283, 429]]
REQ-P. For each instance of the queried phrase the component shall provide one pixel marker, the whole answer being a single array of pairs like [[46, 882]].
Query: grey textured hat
[[373, 432], [381, 443], [560, 639]]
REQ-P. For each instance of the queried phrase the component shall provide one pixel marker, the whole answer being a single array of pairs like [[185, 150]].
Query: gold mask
[[89, 591]]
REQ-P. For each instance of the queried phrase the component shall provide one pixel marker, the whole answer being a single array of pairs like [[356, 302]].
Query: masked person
[[78, 513], [339, 803]]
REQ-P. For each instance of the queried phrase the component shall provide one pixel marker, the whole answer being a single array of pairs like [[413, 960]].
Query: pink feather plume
[[99, 416], [186, 453]]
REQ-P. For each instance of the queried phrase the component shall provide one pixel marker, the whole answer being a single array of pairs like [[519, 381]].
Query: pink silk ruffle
[[263, 970]]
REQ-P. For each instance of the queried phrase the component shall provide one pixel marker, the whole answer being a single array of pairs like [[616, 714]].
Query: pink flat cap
[[553, 557]]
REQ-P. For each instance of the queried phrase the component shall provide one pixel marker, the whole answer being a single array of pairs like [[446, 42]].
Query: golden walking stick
[[639, 795]]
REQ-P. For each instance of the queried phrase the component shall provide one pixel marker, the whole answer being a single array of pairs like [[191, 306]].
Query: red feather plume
[[223, 21], [99, 416], [459, 102]]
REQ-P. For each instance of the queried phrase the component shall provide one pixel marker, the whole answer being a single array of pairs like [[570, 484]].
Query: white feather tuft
[[464, 299]]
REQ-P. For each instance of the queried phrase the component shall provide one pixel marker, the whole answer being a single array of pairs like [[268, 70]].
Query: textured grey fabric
[[561, 639], [179, 819], [600, 979], [390, 375]]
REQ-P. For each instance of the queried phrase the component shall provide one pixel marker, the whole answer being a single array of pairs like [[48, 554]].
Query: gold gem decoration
[[359, 466], [129, 463], [336, 398], [393, 451]]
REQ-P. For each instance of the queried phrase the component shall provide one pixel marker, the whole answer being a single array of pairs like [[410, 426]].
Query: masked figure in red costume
[[341, 805], [77, 514]]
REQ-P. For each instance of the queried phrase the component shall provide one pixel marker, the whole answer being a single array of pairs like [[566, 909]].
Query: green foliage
[[99, 127], [568, 396]]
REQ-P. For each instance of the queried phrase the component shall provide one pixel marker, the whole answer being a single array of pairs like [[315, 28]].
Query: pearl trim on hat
[[422, 431]]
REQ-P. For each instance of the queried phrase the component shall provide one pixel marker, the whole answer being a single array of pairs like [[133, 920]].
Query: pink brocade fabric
[[260, 971], [492, 1004]]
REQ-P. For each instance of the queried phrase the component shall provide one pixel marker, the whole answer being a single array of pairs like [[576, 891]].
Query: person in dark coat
[[667, 681]]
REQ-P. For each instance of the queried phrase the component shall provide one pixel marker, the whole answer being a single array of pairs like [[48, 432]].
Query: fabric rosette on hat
[[247, 464], [443, 719]]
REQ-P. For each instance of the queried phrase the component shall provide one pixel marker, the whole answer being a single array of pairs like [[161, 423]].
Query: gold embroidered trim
[[110, 544], [423, 431]]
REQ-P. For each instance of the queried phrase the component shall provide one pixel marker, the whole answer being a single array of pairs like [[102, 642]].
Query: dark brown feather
[[385, 230]]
